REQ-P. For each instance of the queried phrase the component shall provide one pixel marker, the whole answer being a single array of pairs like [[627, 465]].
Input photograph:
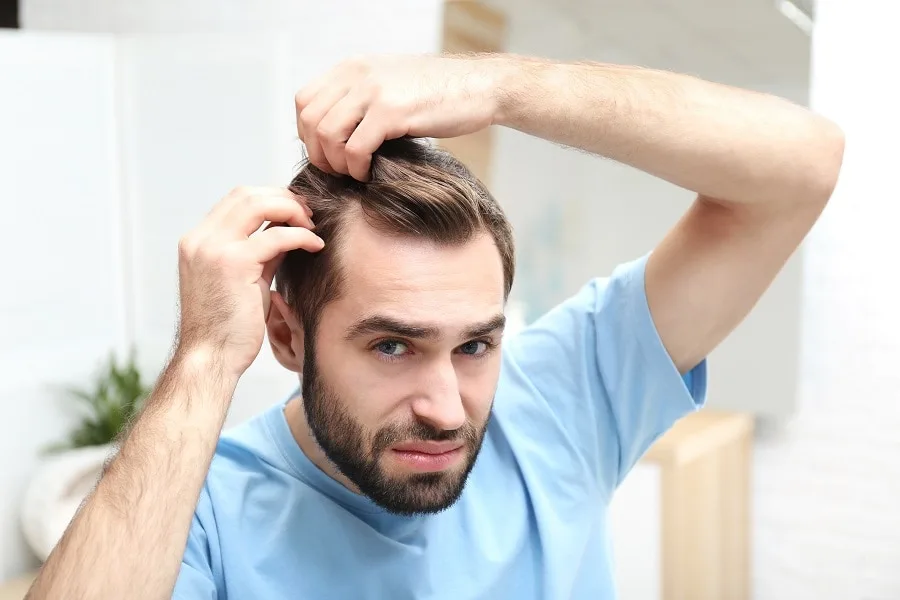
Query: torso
[[526, 527]]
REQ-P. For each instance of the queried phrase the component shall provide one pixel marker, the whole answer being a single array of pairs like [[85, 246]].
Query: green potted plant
[[71, 468], [109, 405]]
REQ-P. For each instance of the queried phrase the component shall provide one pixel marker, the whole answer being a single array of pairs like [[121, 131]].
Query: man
[[366, 485]]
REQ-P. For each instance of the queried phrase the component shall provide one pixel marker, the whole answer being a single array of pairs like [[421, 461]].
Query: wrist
[[505, 75], [205, 367], [515, 80]]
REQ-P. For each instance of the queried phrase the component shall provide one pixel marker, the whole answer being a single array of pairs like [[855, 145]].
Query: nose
[[440, 404]]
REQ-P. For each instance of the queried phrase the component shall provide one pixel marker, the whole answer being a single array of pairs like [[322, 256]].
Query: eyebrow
[[380, 324]]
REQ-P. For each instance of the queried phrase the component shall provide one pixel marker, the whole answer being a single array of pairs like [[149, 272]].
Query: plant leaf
[[114, 398]]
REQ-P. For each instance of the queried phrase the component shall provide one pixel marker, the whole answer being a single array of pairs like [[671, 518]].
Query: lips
[[428, 457], [433, 448]]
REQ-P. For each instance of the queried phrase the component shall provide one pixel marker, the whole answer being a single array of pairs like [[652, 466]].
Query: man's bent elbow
[[828, 153]]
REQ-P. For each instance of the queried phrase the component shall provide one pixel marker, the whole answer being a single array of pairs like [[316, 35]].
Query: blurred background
[[122, 122]]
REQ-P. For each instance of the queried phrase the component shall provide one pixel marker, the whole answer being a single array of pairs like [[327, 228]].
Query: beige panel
[[16, 589], [473, 27], [706, 472]]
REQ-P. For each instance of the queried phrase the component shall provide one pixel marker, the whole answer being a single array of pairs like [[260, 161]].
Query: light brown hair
[[415, 189]]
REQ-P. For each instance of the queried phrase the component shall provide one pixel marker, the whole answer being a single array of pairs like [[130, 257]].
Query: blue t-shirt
[[583, 393]]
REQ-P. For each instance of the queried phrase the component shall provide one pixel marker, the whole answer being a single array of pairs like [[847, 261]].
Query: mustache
[[419, 431]]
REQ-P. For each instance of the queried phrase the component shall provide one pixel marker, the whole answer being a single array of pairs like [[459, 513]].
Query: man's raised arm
[[762, 167], [128, 539]]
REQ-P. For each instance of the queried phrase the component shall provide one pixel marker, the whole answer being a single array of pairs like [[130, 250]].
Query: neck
[[296, 419]]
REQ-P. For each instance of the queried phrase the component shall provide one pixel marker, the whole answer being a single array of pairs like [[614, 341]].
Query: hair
[[415, 189]]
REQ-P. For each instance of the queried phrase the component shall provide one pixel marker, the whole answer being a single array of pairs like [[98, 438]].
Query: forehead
[[414, 279]]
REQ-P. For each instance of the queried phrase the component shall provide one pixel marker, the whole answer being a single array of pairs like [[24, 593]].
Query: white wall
[[361, 20], [828, 481], [60, 311], [113, 147]]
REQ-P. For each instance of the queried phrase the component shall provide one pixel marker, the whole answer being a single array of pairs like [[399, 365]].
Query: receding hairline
[[418, 192], [358, 217]]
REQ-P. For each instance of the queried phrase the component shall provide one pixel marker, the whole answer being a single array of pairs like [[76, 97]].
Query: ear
[[285, 334]]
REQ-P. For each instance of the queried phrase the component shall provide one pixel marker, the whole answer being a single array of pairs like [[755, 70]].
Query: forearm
[[721, 142], [128, 539]]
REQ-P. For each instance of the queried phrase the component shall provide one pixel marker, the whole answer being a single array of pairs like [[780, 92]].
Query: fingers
[[249, 213], [362, 143], [271, 268], [311, 116], [302, 100], [240, 194], [225, 206], [271, 244], [349, 134], [336, 128], [305, 96]]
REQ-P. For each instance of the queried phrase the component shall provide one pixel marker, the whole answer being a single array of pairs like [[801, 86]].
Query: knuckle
[[241, 191], [376, 91], [302, 98], [390, 104], [356, 62], [255, 202], [187, 247], [355, 149], [206, 253], [324, 130], [309, 119], [276, 234], [368, 90]]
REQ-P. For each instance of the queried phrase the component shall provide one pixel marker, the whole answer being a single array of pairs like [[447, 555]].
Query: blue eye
[[391, 348], [474, 348]]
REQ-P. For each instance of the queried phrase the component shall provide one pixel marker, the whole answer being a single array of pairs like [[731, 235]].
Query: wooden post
[[706, 470]]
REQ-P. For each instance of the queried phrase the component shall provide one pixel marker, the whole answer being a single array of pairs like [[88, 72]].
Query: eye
[[391, 348], [474, 348]]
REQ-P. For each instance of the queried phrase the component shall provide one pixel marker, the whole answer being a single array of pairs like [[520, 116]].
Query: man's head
[[396, 323]]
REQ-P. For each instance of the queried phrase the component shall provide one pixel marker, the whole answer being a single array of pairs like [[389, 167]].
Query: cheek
[[478, 384], [369, 391]]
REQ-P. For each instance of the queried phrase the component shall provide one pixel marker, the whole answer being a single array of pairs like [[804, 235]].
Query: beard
[[345, 441]]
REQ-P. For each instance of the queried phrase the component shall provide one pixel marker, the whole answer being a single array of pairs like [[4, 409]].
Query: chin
[[416, 494]]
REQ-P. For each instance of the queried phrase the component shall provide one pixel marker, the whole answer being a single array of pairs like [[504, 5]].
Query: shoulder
[[247, 464], [245, 453], [593, 374], [558, 372], [606, 315]]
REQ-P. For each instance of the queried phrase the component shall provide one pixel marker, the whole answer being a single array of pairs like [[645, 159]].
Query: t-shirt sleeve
[[598, 363], [195, 579]]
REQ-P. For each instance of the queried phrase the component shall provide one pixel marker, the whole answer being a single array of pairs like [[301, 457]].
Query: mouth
[[428, 457]]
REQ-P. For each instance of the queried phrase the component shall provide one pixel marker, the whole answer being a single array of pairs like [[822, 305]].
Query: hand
[[344, 116], [226, 267]]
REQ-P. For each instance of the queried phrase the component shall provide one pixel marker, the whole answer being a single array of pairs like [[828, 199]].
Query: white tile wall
[[60, 306], [828, 482]]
